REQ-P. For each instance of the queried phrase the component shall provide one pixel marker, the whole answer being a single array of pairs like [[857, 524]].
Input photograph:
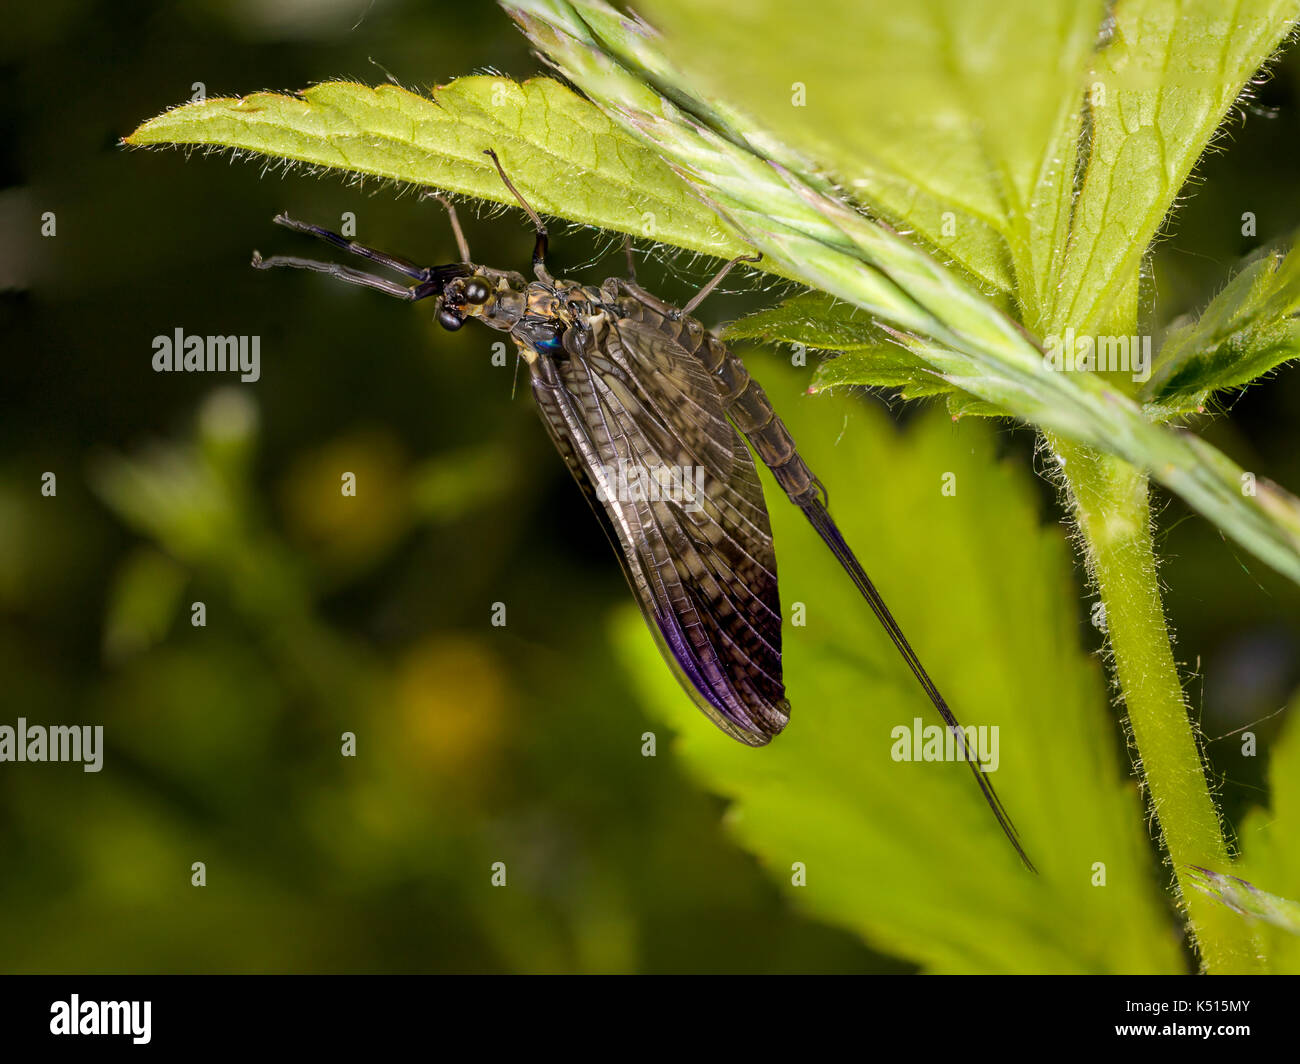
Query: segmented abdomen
[[743, 398]]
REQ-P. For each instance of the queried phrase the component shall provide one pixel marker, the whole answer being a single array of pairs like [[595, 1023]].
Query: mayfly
[[624, 381]]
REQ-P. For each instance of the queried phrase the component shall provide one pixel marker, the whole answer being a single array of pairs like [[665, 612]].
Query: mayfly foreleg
[[396, 289], [656, 396], [430, 279], [382, 258]]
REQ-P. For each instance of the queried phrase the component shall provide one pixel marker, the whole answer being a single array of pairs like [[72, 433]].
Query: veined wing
[[629, 409]]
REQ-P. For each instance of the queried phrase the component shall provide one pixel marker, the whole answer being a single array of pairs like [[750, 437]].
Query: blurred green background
[[371, 615]]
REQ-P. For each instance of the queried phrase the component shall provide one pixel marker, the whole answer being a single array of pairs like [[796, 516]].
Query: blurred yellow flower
[[452, 706], [348, 500]]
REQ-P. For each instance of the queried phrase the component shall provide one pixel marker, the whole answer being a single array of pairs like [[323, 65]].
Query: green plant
[[1000, 200]]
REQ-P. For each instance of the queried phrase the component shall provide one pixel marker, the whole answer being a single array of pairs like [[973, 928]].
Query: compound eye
[[477, 291], [449, 319]]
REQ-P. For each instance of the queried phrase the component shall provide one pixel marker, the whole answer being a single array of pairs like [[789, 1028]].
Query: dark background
[[373, 617]]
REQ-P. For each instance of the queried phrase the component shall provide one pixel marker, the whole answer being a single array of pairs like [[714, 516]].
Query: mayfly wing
[[628, 410], [635, 389], [748, 406]]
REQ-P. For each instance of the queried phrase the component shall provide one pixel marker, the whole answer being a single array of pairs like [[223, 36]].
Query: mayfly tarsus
[[624, 380]]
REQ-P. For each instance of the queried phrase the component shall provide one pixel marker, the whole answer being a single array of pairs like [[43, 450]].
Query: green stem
[[1112, 510]]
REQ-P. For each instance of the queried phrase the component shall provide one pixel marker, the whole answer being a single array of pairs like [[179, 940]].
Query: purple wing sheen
[[628, 409]]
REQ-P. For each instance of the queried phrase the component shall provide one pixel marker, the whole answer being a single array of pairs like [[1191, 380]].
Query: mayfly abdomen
[[636, 394], [752, 412], [743, 398]]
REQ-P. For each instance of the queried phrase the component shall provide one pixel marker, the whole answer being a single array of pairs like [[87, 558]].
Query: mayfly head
[[494, 297], [461, 289]]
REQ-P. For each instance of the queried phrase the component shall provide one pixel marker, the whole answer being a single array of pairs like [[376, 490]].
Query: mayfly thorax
[[624, 380]]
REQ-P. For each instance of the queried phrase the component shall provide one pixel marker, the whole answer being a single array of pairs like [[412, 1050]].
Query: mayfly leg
[[425, 287], [665, 308], [631, 259], [749, 408], [703, 294], [541, 244], [346, 273], [462, 245], [382, 258], [429, 279]]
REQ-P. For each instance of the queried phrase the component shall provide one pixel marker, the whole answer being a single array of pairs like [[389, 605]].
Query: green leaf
[[870, 357], [794, 219], [624, 174], [142, 603], [1270, 858], [1247, 330], [884, 366], [813, 320], [906, 854], [944, 116], [569, 159], [818, 322], [1157, 92]]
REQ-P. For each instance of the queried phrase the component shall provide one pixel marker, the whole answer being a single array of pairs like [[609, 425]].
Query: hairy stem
[[1112, 510]]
